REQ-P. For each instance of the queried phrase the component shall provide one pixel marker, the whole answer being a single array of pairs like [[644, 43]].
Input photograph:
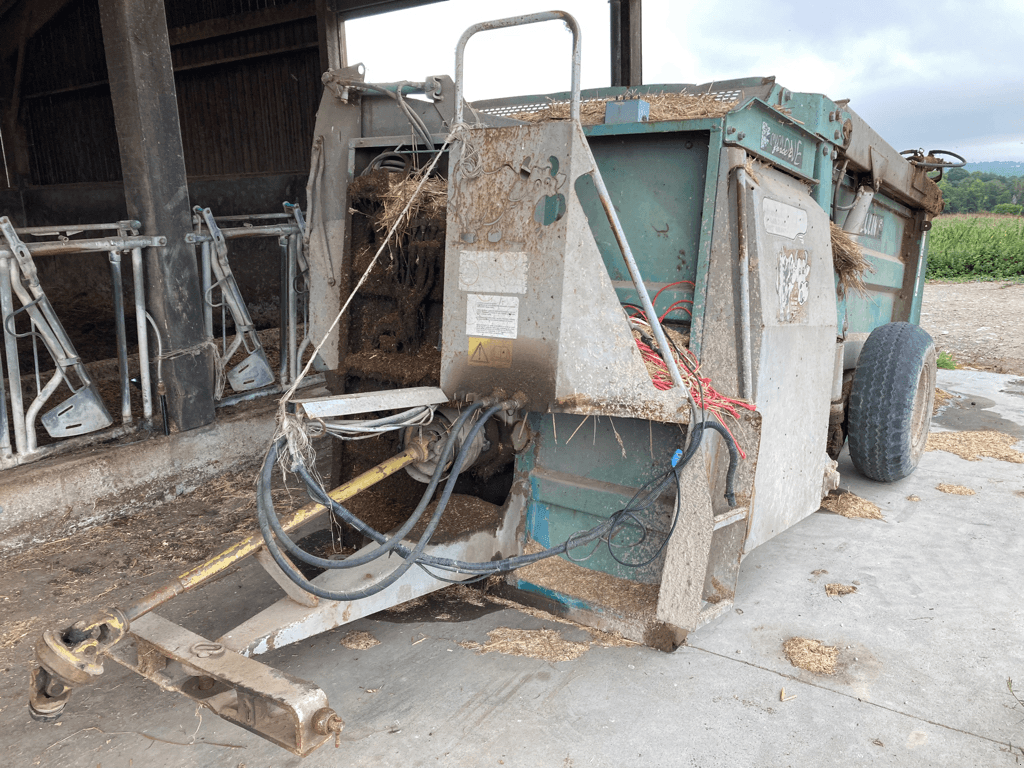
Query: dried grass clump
[[811, 655], [850, 505], [838, 590], [956, 490], [664, 106], [359, 641], [849, 261], [941, 398], [973, 445], [431, 202], [546, 644]]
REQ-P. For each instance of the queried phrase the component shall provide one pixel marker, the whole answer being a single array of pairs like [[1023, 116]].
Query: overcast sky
[[941, 75]]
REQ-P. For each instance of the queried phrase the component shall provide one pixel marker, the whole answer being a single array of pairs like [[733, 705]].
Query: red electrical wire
[[703, 393]]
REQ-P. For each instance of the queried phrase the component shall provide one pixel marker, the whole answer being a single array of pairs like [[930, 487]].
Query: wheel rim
[[922, 409]]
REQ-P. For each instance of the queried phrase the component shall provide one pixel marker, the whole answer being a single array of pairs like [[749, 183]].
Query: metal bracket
[[273, 704]]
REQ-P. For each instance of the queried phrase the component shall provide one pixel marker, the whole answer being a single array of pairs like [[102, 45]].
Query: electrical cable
[[381, 584], [265, 506], [608, 530]]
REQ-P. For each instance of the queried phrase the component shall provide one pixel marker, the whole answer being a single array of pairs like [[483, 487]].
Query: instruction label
[[492, 353], [493, 316]]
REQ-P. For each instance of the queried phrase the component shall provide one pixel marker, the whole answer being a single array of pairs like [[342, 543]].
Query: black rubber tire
[[891, 401]]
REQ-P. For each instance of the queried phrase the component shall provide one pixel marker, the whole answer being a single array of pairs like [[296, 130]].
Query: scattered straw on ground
[[664, 106], [811, 655], [838, 590], [912, 497], [956, 490], [941, 398], [973, 445], [850, 263], [14, 632], [851, 505], [721, 592], [359, 641], [618, 596], [546, 644]]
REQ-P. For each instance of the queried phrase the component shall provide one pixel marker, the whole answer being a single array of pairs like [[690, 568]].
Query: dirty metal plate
[[252, 373], [288, 622], [522, 266], [369, 402], [80, 414], [792, 260], [261, 699]]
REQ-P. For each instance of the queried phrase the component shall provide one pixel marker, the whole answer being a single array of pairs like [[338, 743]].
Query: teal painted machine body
[[666, 182]]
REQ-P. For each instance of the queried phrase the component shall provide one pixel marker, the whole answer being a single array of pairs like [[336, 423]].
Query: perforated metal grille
[[510, 110]]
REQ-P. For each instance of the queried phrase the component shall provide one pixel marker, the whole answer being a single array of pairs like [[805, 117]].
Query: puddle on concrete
[[970, 413]]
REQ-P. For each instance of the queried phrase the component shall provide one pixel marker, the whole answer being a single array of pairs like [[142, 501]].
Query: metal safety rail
[[253, 377], [82, 418]]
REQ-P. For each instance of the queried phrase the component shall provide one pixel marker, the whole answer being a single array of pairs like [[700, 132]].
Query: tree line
[[978, 192]]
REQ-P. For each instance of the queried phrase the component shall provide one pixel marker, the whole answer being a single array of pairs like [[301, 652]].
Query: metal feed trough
[[617, 353]]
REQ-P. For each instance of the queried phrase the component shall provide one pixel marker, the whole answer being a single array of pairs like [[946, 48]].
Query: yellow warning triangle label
[[479, 354]]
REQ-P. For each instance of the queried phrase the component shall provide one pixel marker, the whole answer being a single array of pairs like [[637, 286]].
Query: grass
[[976, 247], [946, 361]]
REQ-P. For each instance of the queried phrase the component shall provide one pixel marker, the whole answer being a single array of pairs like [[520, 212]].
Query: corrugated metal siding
[[247, 102], [251, 116]]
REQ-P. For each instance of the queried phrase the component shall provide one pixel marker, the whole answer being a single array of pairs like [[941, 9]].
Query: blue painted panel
[[656, 181]]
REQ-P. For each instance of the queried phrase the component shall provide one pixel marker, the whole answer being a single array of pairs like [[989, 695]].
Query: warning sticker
[[493, 316], [493, 353]]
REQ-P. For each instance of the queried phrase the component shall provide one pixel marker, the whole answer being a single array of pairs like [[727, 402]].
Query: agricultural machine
[[593, 347]]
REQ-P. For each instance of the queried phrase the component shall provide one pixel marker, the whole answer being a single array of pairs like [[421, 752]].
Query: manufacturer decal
[[781, 146]]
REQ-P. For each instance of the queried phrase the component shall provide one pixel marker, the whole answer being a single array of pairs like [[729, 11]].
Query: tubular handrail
[[517, 21]]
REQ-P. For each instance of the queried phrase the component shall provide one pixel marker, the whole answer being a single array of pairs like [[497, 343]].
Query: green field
[[976, 247]]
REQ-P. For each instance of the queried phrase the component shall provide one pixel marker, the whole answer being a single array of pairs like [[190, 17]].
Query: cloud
[[937, 76]]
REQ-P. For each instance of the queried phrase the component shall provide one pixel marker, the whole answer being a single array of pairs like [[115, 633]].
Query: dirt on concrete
[[977, 323]]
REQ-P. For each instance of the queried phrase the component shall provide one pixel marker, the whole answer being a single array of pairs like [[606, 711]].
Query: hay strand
[[664, 106], [972, 446], [849, 261]]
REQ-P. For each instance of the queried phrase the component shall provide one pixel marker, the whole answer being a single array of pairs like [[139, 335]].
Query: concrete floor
[[927, 644]]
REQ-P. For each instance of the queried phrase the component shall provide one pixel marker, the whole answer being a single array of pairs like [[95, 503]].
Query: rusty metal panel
[[354, 9]]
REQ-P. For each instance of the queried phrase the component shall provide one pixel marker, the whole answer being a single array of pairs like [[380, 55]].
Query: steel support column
[[331, 34], [146, 115], [626, 49]]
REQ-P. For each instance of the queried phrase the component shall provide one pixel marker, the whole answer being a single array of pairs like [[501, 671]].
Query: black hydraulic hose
[[734, 460], [647, 496], [385, 582], [642, 500], [320, 496]]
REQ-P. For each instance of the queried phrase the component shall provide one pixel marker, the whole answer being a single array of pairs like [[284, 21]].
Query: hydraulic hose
[[408, 562], [265, 503], [643, 500]]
